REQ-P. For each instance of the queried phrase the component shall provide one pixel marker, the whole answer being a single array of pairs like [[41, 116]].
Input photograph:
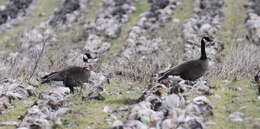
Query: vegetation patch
[[19, 109], [118, 93], [41, 12], [234, 96], [141, 6], [2, 2]]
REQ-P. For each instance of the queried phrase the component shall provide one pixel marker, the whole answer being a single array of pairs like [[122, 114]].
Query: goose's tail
[[54, 76], [165, 74]]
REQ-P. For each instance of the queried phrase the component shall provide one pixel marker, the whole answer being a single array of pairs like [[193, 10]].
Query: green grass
[[73, 37], [91, 113], [231, 100], [233, 26], [18, 110], [172, 31], [2, 2], [9, 39], [93, 9]]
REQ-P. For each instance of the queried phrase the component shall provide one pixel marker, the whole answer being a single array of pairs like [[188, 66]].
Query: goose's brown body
[[72, 76], [193, 69], [190, 70]]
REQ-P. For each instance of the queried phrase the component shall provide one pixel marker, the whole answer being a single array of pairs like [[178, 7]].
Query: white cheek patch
[[84, 56]]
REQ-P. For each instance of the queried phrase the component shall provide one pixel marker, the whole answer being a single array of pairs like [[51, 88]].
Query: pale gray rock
[[236, 117], [62, 111], [9, 123], [95, 44], [135, 124], [26, 102], [107, 109], [118, 124], [169, 124], [253, 26], [172, 101], [217, 96]]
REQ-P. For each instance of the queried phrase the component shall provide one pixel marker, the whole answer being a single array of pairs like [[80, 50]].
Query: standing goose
[[257, 79], [72, 76], [193, 69]]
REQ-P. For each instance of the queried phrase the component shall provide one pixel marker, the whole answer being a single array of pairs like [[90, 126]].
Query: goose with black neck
[[72, 76], [193, 69]]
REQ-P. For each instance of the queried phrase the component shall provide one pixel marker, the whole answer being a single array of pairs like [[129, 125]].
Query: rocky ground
[[133, 41]]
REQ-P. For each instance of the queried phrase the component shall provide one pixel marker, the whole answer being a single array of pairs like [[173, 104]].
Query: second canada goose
[[193, 69], [257, 79], [72, 76]]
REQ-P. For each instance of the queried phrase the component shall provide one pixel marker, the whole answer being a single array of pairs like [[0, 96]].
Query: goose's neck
[[203, 51]]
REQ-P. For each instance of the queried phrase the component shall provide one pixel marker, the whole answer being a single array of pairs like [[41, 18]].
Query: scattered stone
[[95, 44], [217, 96], [5, 102], [9, 123], [122, 109], [61, 15], [95, 95], [13, 8], [113, 16], [243, 107], [236, 117], [118, 124], [107, 109], [26, 102], [12, 90], [253, 21], [173, 101], [158, 105], [254, 123]]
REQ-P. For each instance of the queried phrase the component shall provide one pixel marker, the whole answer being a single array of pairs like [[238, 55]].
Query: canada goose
[[257, 79], [193, 69], [72, 76]]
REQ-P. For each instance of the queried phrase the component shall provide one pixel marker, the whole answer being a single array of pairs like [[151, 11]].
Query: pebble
[[217, 96], [117, 123], [27, 102], [9, 123], [243, 107], [236, 116], [107, 109]]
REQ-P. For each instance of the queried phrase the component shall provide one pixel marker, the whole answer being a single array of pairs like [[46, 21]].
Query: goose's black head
[[86, 57]]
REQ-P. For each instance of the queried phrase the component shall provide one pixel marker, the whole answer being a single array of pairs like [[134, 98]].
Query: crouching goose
[[193, 69], [72, 76]]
